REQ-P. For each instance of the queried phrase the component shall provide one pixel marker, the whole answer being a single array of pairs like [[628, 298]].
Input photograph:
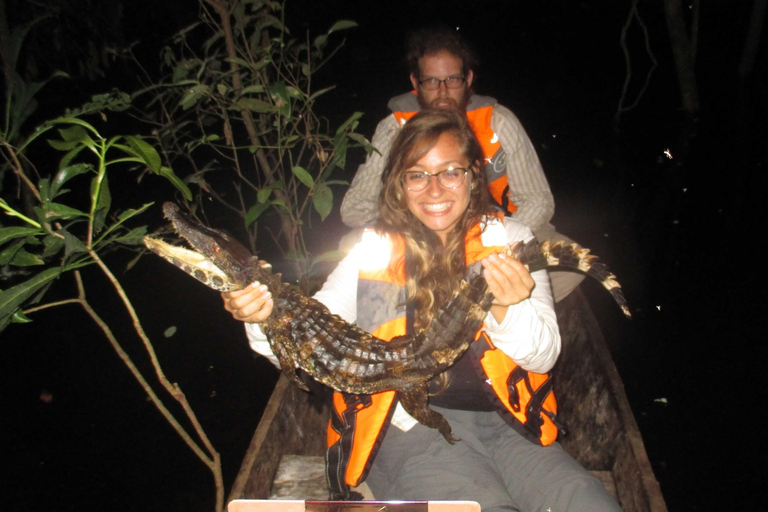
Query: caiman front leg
[[416, 403], [288, 365]]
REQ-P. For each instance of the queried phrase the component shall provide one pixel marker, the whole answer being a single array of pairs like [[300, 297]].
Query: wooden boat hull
[[602, 432]]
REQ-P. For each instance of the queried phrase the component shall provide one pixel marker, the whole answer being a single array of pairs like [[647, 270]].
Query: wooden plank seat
[[302, 477]]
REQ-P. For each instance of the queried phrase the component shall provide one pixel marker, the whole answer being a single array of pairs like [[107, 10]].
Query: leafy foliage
[[236, 117], [59, 236]]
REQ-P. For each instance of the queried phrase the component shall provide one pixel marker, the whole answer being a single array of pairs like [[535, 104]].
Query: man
[[442, 72]]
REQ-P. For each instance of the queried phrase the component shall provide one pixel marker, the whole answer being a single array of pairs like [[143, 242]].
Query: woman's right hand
[[252, 304]]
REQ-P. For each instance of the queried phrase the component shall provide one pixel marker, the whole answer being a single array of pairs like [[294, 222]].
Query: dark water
[[80, 434]]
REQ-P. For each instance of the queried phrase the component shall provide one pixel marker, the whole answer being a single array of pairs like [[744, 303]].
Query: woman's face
[[437, 207]]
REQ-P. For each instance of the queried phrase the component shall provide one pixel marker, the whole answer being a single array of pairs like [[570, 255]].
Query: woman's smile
[[437, 208]]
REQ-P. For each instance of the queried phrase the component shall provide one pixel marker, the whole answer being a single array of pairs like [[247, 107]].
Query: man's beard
[[445, 102]]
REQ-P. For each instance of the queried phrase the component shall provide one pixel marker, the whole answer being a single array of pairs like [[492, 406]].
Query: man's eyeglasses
[[433, 84], [450, 178]]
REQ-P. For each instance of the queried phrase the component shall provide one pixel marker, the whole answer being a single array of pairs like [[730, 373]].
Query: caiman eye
[[216, 249]]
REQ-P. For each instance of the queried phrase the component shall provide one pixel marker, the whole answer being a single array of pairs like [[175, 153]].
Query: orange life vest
[[479, 111], [358, 422]]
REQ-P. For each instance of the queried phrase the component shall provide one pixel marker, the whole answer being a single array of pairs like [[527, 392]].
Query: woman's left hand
[[508, 280]]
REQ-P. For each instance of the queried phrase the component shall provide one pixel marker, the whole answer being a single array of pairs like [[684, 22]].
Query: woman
[[436, 225]]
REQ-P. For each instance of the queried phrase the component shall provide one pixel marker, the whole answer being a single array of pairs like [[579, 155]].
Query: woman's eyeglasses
[[450, 178]]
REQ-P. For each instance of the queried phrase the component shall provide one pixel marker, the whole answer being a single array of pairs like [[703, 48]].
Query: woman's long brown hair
[[433, 271]]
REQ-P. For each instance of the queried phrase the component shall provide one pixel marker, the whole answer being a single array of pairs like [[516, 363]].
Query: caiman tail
[[547, 254]]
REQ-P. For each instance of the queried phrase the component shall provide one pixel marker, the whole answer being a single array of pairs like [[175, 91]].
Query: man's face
[[441, 65]]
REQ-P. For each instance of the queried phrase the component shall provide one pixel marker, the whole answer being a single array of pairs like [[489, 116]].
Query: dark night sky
[[672, 232]]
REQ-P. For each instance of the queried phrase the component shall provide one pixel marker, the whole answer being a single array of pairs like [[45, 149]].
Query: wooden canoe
[[602, 432]]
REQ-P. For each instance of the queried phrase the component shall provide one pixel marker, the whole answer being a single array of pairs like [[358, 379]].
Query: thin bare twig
[[633, 14]]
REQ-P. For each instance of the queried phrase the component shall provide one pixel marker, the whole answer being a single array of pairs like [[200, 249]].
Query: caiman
[[303, 334]]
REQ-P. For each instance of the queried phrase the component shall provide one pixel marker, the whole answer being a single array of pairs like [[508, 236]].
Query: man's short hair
[[428, 41]]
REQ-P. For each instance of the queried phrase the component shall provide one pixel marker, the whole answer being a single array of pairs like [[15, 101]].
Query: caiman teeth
[[194, 263]]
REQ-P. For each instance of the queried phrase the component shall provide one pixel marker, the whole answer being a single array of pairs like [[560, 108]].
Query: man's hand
[[252, 304]]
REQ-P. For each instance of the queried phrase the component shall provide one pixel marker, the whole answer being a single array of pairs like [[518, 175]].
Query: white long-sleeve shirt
[[528, 334]]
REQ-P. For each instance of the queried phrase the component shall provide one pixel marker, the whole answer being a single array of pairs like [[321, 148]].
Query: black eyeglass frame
[[436, 175], [458, 82]]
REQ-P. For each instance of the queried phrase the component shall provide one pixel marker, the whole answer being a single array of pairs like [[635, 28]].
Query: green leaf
[[322, 200], [193, 95], [351, 121], [66, 159], [342, 25], [360, 139], [254, 212], [115, 100], [52, 245], [253, 89], [320, 41], [23, 258], [66, 174], [7, 234], [134, 237], [290, 139], [167, 173], [121, 218], [265, 192], [12, 298], [303, 176], [72, 137], [146, 152], [7, 254], [339, 156], [321, 92], [55, 210], [254, 105], [280, 95], [20, 318], [44, 187], [184, 69], [127, 214], [72, 244]]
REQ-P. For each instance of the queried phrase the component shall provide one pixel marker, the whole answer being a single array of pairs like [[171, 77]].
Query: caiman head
[[218, 260]]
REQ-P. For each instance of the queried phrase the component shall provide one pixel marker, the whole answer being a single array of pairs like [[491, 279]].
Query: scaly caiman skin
[[304, 334]]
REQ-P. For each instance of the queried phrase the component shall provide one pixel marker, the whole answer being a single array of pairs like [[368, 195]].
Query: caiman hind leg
[[416, 403]]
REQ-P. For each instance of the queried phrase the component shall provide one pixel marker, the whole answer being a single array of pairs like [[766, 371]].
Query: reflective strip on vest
[[498, 368]]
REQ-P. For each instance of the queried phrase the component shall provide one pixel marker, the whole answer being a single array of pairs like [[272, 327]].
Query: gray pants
[[492, 464]]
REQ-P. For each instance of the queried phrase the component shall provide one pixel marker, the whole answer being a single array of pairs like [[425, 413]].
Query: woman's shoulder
[[504, 230], [373, 250]]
